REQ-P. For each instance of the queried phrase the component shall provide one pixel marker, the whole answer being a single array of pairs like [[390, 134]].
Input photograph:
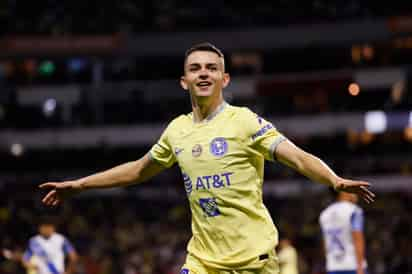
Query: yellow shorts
[[195, 266]]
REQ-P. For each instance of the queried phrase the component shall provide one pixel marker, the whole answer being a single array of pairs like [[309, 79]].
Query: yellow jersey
[[222, 163]]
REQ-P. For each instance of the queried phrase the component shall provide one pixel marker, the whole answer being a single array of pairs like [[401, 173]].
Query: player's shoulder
[[244, 115], [346, 206], [356, 208], [59, 236], [328, 210], [241, 111], [34, 238], [179, 122]]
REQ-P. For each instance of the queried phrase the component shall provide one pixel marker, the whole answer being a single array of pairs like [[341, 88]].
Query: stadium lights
[[47, 68], [354, 89], [17, 149], [375, 121], [49, 107], [410, 119]]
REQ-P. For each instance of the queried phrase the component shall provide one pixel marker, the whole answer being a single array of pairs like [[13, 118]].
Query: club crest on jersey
[[218, 146], [196, 150], [184, 271]]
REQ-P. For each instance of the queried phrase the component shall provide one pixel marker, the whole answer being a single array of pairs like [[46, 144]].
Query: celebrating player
[[220, 150]]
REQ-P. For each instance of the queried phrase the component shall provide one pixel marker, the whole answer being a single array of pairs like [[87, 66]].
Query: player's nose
[[204, 73]]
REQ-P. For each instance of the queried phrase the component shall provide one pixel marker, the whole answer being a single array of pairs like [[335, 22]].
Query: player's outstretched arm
[[122, 175], [315, 169]]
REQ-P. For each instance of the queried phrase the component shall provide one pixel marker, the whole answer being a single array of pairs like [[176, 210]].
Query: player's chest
[[49, 249], [206, 145]]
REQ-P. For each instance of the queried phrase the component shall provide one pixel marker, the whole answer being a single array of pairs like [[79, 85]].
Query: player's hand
[[359, 188], [11, 254], [360, 270], [59, 191]]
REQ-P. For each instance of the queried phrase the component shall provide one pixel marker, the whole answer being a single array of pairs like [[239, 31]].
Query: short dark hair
[[205, 46], [47, 220]]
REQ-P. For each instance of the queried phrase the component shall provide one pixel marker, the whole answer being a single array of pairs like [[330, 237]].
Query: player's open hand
[[359, 188], [59, 191]]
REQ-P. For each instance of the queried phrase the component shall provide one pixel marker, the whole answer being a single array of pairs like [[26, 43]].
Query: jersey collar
[[212, 115]]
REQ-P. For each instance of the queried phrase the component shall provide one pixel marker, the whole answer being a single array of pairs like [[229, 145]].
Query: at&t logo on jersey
[[207, 182], [218, 146]]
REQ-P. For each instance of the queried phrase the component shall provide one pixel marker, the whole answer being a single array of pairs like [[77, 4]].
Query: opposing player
[[220, 150], [342, 229], [47, 251]]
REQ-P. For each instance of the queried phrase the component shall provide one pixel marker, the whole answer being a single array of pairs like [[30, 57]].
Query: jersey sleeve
[[28, 253], [162, 151], [262, 135], [67, 246], [357, 220]]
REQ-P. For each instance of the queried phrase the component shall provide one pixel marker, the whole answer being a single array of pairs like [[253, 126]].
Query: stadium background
[[85, 85]]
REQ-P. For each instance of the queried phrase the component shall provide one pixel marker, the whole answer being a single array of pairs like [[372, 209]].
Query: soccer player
[[220, 150], [342, 229], [288, 257], [47, 251]]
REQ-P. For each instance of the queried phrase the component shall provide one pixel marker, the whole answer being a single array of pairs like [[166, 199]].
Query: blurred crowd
[[64, 17], [130, 235]]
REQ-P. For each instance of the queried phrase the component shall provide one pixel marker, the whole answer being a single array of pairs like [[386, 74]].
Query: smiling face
[[204, 75]]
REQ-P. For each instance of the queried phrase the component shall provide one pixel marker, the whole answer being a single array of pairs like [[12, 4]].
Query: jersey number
[[334, 242]]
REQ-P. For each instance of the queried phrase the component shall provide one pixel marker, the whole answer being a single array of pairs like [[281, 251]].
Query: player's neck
[[202, 109]]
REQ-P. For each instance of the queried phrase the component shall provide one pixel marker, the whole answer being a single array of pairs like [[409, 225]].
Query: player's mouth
[[204, 85]]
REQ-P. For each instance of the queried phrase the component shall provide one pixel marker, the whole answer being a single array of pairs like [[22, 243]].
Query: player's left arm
[[317, 170], [72, 257], [72, 261], [357, 221]]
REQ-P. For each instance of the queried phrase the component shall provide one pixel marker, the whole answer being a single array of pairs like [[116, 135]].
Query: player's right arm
[[359, 243], [357, 220], [122, 175]]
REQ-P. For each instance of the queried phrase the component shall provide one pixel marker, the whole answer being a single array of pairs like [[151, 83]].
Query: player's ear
[[183, 83], [226, 79]]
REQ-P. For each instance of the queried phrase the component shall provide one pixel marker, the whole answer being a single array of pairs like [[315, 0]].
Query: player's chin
[[204, 93]]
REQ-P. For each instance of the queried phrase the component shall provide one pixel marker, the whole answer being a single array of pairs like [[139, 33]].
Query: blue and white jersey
[[48, 253], [338, 221]]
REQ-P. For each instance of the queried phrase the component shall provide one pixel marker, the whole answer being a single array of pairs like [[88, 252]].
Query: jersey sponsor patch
[[213, 181], [262, 131], [196, 150], [184, 271], [209, 206], [218, 147]]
